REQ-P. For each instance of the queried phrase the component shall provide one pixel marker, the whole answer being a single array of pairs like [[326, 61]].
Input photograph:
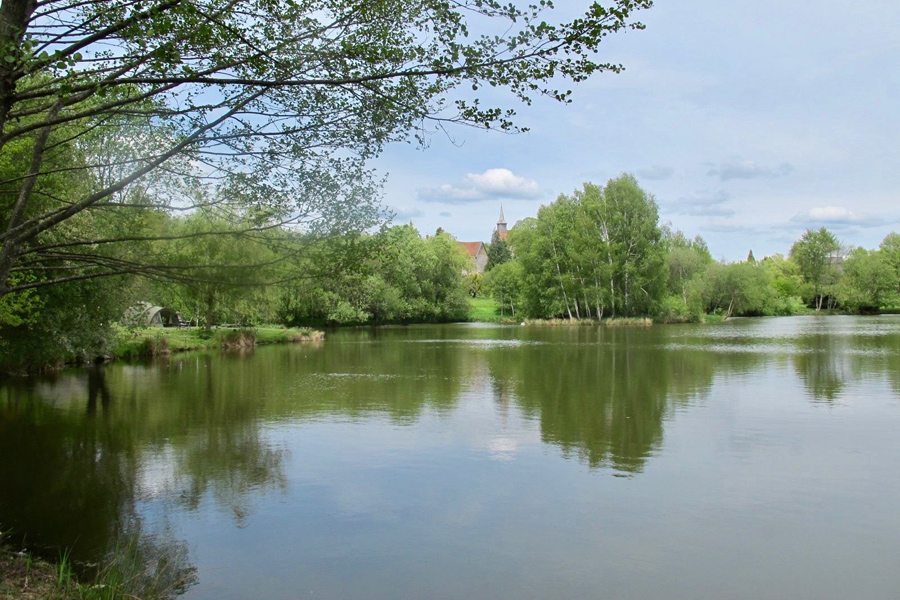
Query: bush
[[235, 338], [674, 310]]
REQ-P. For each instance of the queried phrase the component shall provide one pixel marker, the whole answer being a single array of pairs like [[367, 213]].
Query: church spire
[[501, 225]]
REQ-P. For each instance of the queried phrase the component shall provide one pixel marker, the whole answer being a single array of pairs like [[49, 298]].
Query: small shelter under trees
[[144, 314]]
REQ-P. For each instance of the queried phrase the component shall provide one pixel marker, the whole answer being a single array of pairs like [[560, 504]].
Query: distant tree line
[[601, 252], [218, 270]]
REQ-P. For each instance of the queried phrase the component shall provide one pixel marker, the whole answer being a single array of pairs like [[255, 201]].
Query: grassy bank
[[486, 310], [147, 342], [609, 322], [132, 571], [24, 577]]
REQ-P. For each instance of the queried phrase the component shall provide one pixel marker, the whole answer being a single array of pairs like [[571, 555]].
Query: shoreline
[[152, 342]]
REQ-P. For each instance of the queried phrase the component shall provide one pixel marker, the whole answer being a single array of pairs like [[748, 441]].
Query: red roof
[[471, 247]]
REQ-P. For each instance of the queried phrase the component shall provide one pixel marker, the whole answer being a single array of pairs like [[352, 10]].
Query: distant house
[[478, 253], [477, 250]]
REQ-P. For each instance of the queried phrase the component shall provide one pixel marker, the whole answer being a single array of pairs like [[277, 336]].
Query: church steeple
[[501, 225]]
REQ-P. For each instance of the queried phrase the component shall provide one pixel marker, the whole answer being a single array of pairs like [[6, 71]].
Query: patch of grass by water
[[610, 322], [128, 573], [486, 310], [148, 342]]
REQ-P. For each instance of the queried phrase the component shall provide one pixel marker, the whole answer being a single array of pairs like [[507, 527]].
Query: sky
[[748, 122]]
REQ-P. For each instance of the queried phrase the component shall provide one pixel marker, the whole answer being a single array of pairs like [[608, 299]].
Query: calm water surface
[[755, 459]]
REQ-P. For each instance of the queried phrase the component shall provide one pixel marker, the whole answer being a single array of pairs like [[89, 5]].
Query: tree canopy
[[116, 108], [597, 252], [816, 254]]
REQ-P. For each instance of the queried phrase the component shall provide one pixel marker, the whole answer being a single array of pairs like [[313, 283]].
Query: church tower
[[501, 225]]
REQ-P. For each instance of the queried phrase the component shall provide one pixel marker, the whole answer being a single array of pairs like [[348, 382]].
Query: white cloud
[[836, 217], [490, 185], [502, 182], [747, 169]]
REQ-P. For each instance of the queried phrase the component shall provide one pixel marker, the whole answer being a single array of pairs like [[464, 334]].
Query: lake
[[753, 459]]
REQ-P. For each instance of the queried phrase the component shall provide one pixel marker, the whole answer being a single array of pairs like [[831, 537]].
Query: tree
[[869, 281], [277, 104], [598, 252], [504, 283], [623, 220], [736, 288], [224, 267], [686, 259], [398, 277], [498, 251], [815, 253], [890, 247]]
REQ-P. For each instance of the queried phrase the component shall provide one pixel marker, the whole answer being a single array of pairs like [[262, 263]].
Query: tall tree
[[816, 254], [686, 259], [890, 247], [598, 252], [281, 101], [498, 251]]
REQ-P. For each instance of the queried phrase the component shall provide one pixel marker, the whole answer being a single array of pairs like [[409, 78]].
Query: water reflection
[[822, 366], [85, 453]]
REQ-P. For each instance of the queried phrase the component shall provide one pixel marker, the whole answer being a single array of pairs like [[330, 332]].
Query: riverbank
[[127, 573], [148, 342], [24, 577], [486, 310]]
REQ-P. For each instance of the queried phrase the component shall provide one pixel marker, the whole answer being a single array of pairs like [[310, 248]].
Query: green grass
[[127, 573], [486, 310], [483, 309], [147, 342]]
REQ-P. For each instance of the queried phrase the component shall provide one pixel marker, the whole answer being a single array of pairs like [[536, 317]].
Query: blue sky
[[748, 122]]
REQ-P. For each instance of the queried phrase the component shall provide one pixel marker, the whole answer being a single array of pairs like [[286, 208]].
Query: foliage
[[277, 104], [869, 281], [71, 321], [404, 278], [598, 252], [674, 310], [890, 248], [504, 282], [474, 283], [498, 251], [736, 289], [817, 254], [686, 259]]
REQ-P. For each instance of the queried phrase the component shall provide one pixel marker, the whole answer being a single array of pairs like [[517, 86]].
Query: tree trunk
[[210, 305], [728, 312]]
